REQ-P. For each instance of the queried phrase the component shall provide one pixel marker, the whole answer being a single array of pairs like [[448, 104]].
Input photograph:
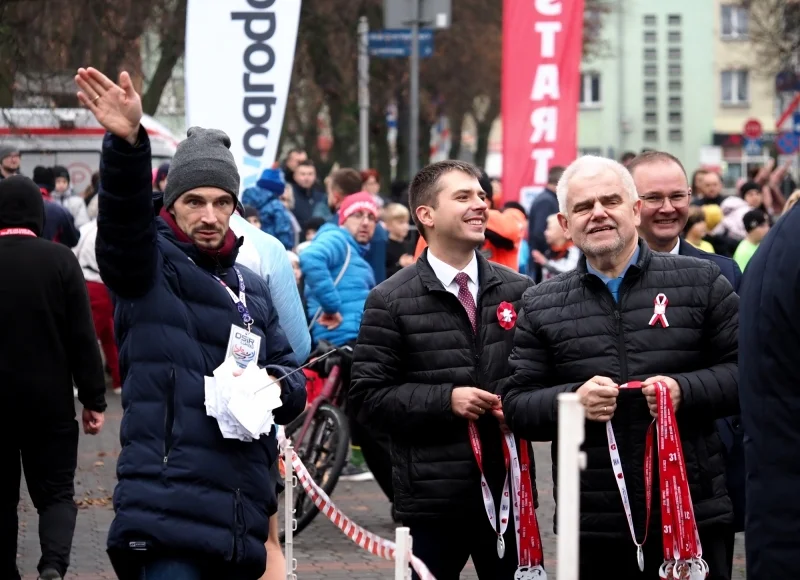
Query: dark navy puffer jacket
[[182, 487]]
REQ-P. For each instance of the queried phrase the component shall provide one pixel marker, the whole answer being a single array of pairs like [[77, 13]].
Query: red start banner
[[542, 47]]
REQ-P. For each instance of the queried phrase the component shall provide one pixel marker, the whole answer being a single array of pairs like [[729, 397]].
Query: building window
[[650, 117], [675, 85], [675, 135], [650, 86], [674, 70], [650, 54], [650, 70], [674, 19], [675, 116], [650, 102], [675, 101], [650, 36], [735, 21], [674, 53], [735, 87], [590, 89], [649, 19], [650, 135], [674, 36]]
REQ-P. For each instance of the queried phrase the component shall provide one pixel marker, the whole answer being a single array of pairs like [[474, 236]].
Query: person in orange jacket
[[504, 232]]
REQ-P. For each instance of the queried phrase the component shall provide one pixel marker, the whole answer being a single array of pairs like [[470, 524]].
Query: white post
[[570, 462], [289, 525], [363, 93], [413, 132], [402, 549]]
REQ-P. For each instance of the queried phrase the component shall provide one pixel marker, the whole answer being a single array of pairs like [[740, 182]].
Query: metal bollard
[[290, 481], [402, 568]]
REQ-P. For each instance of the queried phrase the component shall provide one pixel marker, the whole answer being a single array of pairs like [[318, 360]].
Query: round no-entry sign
[[753, 129]]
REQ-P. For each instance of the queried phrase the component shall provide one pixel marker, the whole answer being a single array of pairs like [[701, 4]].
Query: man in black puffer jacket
[[431, 356], [589, 331], [189, 502]]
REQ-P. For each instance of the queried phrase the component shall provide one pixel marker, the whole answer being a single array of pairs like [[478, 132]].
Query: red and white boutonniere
[[506, 315]]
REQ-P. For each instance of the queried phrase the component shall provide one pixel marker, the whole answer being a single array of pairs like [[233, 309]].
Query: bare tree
[[774, 31], [43, 42], [169, 19], [462, 77]]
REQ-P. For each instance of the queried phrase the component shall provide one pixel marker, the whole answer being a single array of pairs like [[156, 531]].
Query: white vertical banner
[[239, 58]]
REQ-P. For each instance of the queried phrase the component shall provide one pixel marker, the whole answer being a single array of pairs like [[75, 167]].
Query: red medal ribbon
[[530, 540], [682, 548], [17, 232], [619, 476], [530, 553], [486, 492]]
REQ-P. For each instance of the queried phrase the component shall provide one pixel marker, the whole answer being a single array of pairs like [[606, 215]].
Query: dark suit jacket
[[730, 269], [730, 429]]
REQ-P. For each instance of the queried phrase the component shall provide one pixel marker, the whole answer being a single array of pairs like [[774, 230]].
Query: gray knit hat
[[7, 150], [203, 159]]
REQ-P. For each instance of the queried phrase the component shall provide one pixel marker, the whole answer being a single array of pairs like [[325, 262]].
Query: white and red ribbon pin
[[660, 311]]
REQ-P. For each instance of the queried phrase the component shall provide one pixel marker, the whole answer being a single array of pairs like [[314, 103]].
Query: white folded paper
[[242, 405]]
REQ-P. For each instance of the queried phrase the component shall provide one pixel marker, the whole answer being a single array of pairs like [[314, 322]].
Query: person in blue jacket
[[342, 184], [337, 277], [274, 216], [189, 503]]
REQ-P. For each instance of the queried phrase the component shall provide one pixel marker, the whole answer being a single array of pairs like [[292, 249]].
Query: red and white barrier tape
[[370, 542]]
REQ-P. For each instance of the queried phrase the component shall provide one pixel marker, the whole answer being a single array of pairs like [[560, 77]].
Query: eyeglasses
[[677, 200], [361, 215]]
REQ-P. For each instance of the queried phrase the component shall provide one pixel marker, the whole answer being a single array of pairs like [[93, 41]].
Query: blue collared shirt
[[613, 284]]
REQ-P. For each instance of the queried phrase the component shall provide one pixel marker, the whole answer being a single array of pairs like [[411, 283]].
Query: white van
[[72, 138]]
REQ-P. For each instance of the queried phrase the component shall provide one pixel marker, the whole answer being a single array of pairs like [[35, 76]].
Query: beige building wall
[[735, 53]]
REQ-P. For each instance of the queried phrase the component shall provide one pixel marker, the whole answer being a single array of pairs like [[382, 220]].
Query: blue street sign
[[396, 43], [788, 143], [753, 147], [796, 122]]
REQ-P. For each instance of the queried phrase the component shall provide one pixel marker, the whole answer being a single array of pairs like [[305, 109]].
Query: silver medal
[[501, 547], [698, 569], [530, 573], [640, 558]]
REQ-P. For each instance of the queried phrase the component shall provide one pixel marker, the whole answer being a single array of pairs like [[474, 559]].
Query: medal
[[530, 573], [501, 547], [640, 557]]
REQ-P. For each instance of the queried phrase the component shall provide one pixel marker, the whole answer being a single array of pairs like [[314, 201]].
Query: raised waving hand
[[117, 107]]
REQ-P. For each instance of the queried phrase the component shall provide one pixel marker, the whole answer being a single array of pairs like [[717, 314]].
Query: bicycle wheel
[[324, 452]]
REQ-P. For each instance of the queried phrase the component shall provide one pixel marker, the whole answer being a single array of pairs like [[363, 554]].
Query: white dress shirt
[[677, 249], [446, 274]]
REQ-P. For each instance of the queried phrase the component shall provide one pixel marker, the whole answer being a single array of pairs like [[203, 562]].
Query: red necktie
[[466, 299]]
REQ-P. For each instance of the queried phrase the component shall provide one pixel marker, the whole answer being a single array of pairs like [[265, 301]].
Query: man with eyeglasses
[[663, 187], [665, 193], [338, 279]]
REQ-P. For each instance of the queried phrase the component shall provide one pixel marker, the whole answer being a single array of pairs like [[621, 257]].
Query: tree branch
[[172, 48]]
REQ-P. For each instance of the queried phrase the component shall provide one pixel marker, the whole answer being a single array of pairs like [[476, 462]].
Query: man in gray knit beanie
[[9, 161], [183, 307], [202, 188], [203, 159]]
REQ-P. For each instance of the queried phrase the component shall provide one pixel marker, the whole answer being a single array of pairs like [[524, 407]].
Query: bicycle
[[321, 434]]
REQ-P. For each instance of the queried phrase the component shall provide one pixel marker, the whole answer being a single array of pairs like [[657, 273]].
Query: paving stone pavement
[[321, 550]]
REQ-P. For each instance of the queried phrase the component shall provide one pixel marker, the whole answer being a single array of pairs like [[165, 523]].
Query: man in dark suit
[[663, 187], [768, 391]]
